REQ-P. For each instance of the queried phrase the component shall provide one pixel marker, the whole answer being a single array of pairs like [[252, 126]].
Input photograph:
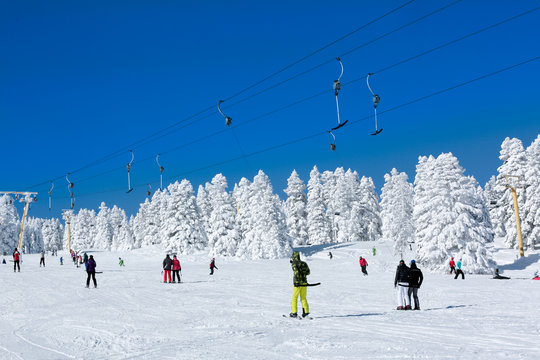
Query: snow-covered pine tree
[[295, 209], [371, 211], [397, 210], [122, 238], [267, 238], [83, 229], [502, 214], [9, 219], [531, 220], [317, 221], [222, 234], [104, 229], [354, 225], [204, 204], [450, 216], [32, 239], [241, 200], [52, 231], [182, 229]]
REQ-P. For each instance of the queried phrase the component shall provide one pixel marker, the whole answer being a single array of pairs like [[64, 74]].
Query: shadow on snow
[[309, 250], [521, 263]]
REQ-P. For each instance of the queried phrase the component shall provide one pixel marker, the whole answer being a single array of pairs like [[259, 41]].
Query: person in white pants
[[401, 283]]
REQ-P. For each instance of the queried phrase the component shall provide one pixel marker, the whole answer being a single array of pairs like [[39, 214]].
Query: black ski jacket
[[402, 274], [415, 277], [167, 263]]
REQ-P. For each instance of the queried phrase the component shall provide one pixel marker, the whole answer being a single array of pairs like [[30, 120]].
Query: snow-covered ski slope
[[47, 313]]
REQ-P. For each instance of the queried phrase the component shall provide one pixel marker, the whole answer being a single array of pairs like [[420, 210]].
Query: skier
[[167, 264], [374, 251], [91, 270], [330, 255], [415, 281], [42, 260], [301, 271], [61, 260], [363, 264], [498, 276], [176, 268], [212, 266], [401, 281], [120, 261], [16, 259], [452, 265], [459, 271]]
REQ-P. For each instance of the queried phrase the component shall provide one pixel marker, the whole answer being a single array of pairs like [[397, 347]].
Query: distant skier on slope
[[42, 260], [121, 262], [212, 266], [374, 251], [458, 272], [330, 255], [363, 264], [415, 281], [176, 268], [498, 276], [167, 265], [401, 282], [300, 271], [91, 271], [452, 265], [16, 259]]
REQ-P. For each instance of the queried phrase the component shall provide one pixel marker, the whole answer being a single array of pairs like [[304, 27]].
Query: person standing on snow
[[91, 271], [401, 282], [374, 251], [42, 260], [121, 261], [212, 266], [167, 265], [85, 258], [16, 259], [452, 265], [300, 271], [363, 264], [415, 281], [176, 268], [459, 271]]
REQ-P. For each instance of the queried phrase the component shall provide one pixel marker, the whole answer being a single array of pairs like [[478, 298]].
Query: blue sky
[[82, 80]]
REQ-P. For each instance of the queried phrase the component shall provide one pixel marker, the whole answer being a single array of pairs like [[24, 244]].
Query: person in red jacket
[[16, 259], [176, 268], [452, 266], [363, 264], [213, 266]]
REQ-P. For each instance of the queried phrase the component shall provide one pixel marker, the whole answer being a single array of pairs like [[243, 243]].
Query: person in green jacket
[[301, 271]]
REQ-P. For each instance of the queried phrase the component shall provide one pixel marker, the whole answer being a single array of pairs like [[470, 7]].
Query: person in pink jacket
[[452, 265], [363, 264], [176, 268]]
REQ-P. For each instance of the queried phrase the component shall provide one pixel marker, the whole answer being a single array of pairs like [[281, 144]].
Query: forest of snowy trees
[[443, 212]]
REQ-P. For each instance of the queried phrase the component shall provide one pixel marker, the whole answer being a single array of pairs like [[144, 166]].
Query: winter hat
[[412, 261]]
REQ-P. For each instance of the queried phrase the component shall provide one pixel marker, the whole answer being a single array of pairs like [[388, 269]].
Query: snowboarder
[[458, 272], [415, 281], [498, 276], [401, 282], [212, 266], [120, 261], [91, 270], [167, 265], [301, 271], [176, 268], [42, 260], [16, 259], [363, 264], [374, 251], [452, 265], [330, 255]]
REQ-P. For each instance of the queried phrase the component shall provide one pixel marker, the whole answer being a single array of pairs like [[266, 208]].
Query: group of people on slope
[[173, 265], [453, 269], [407, 282]]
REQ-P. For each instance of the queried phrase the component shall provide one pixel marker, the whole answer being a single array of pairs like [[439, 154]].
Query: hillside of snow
[[47, 313]]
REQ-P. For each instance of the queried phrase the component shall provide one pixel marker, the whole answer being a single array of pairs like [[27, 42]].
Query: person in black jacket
[[401, 282], [167, 266], [213, 266], [415, 281]]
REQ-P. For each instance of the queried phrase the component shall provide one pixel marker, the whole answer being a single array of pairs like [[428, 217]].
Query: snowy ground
[[47, 313]]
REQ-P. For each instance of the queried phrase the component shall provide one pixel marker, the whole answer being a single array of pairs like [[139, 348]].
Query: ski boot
[[408, 307], [400, 308], [293, 315], [304, 314]]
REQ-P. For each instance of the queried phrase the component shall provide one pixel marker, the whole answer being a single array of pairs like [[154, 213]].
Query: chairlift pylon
[[161, 169], [228, 119], [376, 101], [128, 166]]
